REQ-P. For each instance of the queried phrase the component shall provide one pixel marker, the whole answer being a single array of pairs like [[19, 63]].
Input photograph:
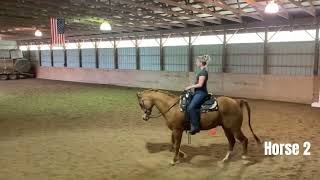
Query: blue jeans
[[194, 108]]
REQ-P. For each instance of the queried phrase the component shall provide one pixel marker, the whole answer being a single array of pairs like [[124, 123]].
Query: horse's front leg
[[172, 143], [177, 135]]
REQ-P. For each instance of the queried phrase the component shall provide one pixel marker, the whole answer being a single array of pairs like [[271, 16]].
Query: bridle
[[148, 111]]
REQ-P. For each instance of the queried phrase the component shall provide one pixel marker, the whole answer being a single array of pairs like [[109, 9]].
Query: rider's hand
[[187, 88]]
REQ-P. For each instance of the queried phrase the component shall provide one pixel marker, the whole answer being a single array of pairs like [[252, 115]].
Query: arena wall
[[298, 89]]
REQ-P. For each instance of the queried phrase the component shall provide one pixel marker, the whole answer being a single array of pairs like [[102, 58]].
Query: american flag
[[57, 31]]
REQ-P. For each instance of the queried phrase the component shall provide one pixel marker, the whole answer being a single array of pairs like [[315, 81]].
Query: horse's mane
[[161, 91]]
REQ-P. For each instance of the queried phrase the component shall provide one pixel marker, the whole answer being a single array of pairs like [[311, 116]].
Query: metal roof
[[20, 18]]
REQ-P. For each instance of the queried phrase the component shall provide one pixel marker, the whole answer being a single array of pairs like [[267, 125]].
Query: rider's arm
[[199, 84]]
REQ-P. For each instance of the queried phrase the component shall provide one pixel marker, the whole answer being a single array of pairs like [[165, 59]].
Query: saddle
[[210, 103]]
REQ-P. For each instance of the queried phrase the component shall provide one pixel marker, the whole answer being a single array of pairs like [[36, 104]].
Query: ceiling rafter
[[107, 16], [89, 12], [123, 13], [83, 17], [157, 18], [239, 12], [260, 8], [204, 11], [164, 10], [310, 11]]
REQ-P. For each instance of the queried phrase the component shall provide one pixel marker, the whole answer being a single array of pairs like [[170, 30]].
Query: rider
[[200, 93]]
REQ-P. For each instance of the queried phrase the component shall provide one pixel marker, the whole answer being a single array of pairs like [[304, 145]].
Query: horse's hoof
[[172, 163], [221, 164], [244, 157], [246, 162], [182, 154], [227, 157], [225, 160]]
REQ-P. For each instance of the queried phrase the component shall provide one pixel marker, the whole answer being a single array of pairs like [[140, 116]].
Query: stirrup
[[195, 131]]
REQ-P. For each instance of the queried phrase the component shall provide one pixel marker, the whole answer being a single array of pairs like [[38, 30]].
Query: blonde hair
[[205, 59]]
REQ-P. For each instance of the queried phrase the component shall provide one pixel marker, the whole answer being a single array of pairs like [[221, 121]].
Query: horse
[[229, 116]]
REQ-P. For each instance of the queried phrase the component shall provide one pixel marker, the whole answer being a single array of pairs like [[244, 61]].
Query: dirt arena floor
[[64, 131]]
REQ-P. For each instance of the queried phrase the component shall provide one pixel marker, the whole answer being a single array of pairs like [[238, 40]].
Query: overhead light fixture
[[105, 26], [271, 7], [38, 33]]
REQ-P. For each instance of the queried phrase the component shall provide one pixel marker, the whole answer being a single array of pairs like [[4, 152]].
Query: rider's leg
[[194, 110]]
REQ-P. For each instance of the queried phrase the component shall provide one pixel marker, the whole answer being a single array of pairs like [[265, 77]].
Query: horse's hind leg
[[231, 141], [244, 141]]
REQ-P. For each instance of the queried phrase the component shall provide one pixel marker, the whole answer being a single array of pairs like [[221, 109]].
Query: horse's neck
[[163, 102]]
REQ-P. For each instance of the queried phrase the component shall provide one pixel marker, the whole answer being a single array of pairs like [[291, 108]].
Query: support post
[[316, 52], [137, 55], [51, 56], [97, 54], [224, 52], [190, 54], [265, 52], [161, 54], [316, 77], [65, 56], [29, 53], [116, 63], [39, 53], [80, 55]]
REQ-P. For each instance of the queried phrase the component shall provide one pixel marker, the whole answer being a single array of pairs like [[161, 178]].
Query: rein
[[160, 114]]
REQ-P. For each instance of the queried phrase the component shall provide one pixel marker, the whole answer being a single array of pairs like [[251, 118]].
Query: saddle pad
[[211, 104]]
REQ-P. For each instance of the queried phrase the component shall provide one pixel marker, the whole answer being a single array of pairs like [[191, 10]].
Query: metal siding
[[5, 53], [214, 51], [127, 58], [106, 58], [24, 54], [46, 58], [294, 58], [34, 56], [245, 58], [73, 58], [88, 58], [58, 58], [150, 58], [176, 58], [8, 44]]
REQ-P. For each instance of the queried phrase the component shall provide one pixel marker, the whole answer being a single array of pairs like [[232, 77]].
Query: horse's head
[[146, 105]]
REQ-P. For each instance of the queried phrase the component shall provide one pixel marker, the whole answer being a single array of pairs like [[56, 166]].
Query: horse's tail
[[244, 102]]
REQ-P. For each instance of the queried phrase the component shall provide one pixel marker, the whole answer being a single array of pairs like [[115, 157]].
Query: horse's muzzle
[[145, 117]]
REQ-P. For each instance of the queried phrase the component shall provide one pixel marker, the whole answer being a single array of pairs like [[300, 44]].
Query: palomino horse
[[229, 116]]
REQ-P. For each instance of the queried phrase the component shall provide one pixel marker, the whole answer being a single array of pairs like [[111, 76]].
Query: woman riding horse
[[229, 115], [200, 93]]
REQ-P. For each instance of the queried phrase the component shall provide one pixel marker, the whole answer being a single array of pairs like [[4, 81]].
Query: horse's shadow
[[215, 152]]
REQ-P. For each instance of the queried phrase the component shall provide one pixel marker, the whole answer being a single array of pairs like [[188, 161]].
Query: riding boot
[[194, 130], [195, 123], [187, 122]]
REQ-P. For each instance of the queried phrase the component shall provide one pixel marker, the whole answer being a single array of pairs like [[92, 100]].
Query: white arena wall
[[297, 89]]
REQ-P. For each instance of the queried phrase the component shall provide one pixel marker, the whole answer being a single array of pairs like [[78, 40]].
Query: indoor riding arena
[[87, 89]]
